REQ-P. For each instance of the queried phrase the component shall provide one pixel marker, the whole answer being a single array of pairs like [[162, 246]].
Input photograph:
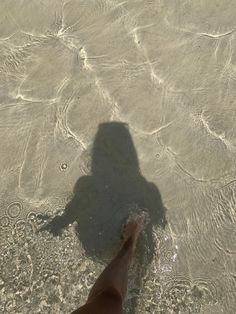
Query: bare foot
[[133, 227]]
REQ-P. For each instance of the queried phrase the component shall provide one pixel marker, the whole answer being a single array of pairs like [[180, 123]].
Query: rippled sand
[[168, 70]]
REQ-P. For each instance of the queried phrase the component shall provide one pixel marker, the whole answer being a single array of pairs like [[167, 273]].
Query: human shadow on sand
[[102, 201]]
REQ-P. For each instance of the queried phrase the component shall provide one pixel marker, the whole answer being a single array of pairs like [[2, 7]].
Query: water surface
[[164, 71]]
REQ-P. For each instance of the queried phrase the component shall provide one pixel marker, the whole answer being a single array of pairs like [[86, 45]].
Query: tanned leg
[[109, 291]]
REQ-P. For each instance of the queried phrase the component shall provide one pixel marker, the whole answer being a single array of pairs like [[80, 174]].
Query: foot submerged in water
[[133, 228]]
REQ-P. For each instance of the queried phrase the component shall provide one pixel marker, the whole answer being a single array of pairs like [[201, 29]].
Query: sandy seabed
[[108, 107]]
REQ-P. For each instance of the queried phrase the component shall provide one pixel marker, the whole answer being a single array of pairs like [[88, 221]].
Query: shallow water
[[166, 70]]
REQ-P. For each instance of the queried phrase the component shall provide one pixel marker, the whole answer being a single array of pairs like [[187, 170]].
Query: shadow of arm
[[72, 210], [155, 206]]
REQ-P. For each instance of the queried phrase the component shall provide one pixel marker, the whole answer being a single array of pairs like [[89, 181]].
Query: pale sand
[[168, 70]]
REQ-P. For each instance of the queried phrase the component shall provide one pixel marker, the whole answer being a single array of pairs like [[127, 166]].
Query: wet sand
[[160, 76]]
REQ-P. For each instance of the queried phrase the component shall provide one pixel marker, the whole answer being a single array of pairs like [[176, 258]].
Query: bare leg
[[115, 275], [111, 285]]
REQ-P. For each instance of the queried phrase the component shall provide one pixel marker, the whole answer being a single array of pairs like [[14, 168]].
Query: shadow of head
[[103, 200]]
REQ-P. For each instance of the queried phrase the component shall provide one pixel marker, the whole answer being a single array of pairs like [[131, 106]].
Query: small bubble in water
[[64, 166], [4, 221], [14, 209]]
